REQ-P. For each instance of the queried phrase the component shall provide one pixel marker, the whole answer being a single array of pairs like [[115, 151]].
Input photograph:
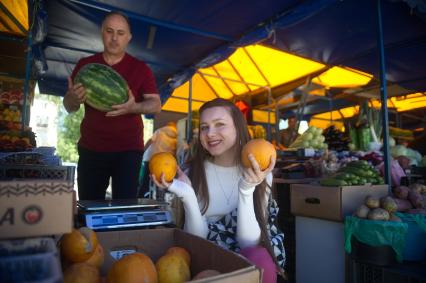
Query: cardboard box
[[35, 208], [204, 254], [331, 203]]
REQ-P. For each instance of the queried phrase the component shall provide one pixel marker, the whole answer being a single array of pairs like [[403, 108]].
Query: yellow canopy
[[398, 103], [254, 68], [14, 17], [405, 102]]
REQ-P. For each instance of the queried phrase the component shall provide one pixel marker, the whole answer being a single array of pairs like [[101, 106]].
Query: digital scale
[[122, 213]]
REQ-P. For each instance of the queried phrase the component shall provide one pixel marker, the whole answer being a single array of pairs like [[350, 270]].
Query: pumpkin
[[172, 268], [181, 252], [163, 162], [262, 151], [133, 268], [79, 245]]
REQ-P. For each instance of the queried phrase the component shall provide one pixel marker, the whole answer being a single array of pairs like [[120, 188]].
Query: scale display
[[97, 221], [117, 214]]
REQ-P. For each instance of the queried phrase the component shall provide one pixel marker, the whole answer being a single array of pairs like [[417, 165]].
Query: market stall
[[326, 156]]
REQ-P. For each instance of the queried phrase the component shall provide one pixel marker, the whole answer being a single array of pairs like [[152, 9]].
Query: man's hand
[[150, 104], [76, 95], [129, 107]]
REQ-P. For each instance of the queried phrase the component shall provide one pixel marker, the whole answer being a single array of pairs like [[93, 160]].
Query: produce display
[[257, 132], [82, 259], [14, 96], [13, 141], [104, 86], [378, 209], [354, 173], [410, 199], [311, 138], [336, 140], [366, 133], [401, 133]]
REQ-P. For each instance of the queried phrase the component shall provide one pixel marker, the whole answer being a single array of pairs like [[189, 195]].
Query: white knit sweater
[[227, 190]]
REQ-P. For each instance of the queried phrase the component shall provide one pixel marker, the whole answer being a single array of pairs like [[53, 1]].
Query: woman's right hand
[[163, 184]]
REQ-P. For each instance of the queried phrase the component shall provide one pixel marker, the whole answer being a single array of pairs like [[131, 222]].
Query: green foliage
[[69, 134]]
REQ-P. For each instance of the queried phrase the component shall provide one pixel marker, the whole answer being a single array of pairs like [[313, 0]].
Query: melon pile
[[82, 257]]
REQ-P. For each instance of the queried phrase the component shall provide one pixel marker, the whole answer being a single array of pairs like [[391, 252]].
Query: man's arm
[[151, 104]]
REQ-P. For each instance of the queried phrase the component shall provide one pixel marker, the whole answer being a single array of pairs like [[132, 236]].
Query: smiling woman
[[224, 201]]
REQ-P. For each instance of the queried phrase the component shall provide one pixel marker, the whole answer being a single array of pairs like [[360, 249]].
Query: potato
[[362, 211], [372, 202], [401, 192], [389, 204], [419, 188], [403, 204], [378, 214], [416, 199]]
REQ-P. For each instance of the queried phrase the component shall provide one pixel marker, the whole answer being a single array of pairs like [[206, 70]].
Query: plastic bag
[[376, 233]]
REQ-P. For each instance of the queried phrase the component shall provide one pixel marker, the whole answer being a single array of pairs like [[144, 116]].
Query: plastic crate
[[11, 172], [29, 260], [45, 150], [415, 242], [361, 272], [20, 158]]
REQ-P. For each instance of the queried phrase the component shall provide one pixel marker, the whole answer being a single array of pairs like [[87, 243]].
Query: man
[[289, 135], [111, 144]]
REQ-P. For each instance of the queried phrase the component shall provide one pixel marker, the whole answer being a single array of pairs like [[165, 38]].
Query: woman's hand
[[162, 184], [254, 175]]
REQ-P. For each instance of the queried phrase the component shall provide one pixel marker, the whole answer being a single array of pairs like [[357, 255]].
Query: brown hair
[[198, 176]]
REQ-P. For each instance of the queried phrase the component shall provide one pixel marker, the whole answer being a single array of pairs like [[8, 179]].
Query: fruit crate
[[407, 272], [29, 260], [11, 172]]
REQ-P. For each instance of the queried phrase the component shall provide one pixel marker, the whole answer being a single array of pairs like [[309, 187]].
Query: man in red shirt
[[111, 144]]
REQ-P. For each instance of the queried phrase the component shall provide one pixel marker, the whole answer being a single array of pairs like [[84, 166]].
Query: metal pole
[[383, 95], [277, 123], [269, 131], [189, 121], [27, 66]]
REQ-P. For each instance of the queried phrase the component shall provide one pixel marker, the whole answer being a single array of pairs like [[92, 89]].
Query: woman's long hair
[[198, 176]]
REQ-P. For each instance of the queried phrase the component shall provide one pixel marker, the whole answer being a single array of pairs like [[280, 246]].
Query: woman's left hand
[[254, 175]]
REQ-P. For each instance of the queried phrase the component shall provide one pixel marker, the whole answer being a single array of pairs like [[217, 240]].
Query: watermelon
[[104, 86]]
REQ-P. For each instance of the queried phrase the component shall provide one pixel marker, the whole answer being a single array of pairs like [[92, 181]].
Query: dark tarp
[[191, 34]]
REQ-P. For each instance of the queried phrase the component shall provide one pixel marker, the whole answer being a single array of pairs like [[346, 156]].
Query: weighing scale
[[122, 213]]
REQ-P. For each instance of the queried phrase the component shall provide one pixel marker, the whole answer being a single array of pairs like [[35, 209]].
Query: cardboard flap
[[211, 255]]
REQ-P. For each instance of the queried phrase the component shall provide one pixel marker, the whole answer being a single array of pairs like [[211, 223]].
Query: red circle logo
[[32, 214]]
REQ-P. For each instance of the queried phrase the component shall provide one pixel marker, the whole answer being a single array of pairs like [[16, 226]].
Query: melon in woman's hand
[[262, 151], [163, 162]]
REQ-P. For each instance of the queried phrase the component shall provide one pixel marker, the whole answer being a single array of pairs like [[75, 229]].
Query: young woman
[[225, 202]]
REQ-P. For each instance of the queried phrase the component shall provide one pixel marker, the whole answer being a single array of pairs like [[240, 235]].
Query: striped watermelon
[[104, 86]]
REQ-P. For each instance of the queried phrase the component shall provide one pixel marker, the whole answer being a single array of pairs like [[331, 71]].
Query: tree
[[69, 134]]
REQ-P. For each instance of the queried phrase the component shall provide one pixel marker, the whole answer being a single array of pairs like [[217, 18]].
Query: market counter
[[319, 214], [286, 221]]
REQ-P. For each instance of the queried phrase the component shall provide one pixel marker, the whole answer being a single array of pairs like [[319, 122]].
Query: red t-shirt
[[120, 133]]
